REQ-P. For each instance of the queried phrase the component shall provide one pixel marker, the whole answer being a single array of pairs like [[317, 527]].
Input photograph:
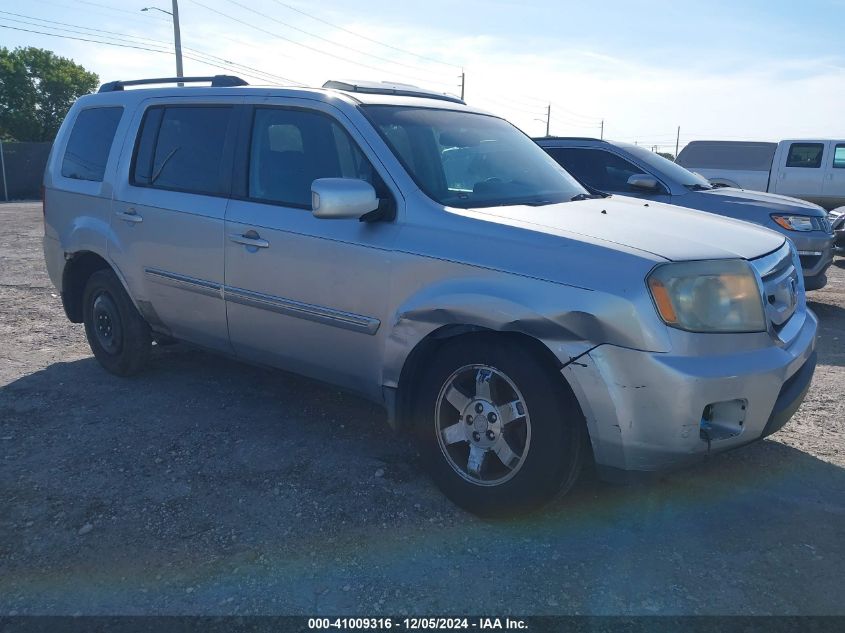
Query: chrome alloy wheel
[[482, 425]]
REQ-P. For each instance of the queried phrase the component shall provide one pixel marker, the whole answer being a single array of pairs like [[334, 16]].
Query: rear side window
[[292, 148], [839, 157], [181, 148], [90, 141], [805, 155], [728, 155]]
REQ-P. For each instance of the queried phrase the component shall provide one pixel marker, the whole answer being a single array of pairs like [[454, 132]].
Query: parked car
[[515, 323], [837, 221], [813, 170], [622, 168]]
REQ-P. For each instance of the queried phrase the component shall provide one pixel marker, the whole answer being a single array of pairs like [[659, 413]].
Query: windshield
[[665, 166], [468, 160]]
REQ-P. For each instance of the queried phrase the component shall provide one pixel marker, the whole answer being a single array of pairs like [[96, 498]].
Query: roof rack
[[389, 88], [217, 81]]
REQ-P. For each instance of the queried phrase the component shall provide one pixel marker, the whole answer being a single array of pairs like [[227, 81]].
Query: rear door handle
[[130, 215], [250, 238]]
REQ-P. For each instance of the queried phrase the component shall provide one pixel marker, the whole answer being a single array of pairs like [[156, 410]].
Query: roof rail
[[217, 81], [389, 88], [568, 138]]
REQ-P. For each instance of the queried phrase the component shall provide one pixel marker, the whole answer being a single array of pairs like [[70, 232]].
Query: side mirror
[[342, 198], [643, 182]]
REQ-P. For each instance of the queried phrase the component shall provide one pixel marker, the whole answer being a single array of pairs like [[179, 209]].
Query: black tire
[[117, 334], [550, 464], [815, 283]]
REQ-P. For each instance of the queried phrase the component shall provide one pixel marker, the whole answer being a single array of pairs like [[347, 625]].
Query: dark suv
[[630, 170]]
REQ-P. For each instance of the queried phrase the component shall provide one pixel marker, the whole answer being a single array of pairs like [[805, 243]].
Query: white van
[[812, 170]]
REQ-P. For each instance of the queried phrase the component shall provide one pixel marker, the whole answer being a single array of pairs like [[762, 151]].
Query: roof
[[541, 139], [356, 92]]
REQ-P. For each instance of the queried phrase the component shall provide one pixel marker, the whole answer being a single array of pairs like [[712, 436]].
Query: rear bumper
[[649, 412]]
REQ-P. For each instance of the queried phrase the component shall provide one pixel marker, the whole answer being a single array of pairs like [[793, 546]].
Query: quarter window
[[805, 155], [292, 148], [182, 148], [839, 157], [90, 142]]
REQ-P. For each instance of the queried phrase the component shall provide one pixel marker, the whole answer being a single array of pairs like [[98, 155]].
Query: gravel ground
[[206, 486]]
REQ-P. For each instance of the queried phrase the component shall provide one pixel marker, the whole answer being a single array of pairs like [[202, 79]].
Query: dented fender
[[568, 320]]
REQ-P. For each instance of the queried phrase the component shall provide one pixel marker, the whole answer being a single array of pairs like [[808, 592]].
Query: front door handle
[[130, 215], [250, 238]]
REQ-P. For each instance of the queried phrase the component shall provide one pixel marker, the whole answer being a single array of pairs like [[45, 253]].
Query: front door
[[306, 294], [605, 171], [168, 218]]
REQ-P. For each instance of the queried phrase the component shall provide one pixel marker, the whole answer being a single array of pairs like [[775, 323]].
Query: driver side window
[[595, 167], [292, 148]]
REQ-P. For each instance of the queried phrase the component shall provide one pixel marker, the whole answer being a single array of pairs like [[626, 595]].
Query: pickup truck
[[813, 170]]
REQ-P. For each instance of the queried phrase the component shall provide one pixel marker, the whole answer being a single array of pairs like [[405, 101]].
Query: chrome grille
[[782, 287]]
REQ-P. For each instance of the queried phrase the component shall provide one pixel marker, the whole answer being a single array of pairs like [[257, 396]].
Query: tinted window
[[87, 150], [839, 157], [598, 169], [469, 160], [182, 148], [292, 148], [805, 155], [728, 155]]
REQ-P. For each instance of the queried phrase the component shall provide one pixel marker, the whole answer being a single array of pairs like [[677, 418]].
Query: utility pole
[[177, 35], [463, 79], [177, 39], [677, 143], [602, 130], [548, 118]]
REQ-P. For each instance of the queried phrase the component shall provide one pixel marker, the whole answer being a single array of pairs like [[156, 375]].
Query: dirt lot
[[206, 486]]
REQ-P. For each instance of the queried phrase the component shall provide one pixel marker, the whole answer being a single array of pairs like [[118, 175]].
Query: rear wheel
[[117, 334], [498, 430]]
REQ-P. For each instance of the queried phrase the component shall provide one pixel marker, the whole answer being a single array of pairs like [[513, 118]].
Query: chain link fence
[[22, 170]]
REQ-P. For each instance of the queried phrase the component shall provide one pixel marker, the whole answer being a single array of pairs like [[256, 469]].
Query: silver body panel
[[347, 302]]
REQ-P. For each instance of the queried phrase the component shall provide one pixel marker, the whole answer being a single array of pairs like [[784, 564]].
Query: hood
[[771, 202], [670, 232]]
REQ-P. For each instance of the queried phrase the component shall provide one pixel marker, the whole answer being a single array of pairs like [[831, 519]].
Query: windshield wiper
[[588, 196], [697, 187]]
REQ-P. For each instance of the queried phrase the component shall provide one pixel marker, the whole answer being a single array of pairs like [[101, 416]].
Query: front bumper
[[648, 412], [815, 250]]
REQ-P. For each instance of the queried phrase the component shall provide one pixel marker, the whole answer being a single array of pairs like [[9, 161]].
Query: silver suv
[[433, 259]]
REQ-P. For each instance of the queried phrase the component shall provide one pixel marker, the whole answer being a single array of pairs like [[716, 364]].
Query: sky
[[750, 69]]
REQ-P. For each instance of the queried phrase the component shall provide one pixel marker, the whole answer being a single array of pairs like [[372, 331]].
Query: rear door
[[834, 180], [306, 294], [168, 216], [801, 170]]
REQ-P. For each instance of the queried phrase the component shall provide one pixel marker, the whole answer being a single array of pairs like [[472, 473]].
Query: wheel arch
[[77, 270], [429, 345]]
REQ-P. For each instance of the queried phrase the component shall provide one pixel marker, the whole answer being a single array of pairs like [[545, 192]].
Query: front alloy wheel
[[482, 425], [498, 428]]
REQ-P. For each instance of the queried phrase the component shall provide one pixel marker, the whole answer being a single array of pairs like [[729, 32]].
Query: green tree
[[667, 155], [37, 87]]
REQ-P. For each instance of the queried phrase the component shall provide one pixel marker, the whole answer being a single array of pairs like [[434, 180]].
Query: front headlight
[[795, 222], [708, 296]]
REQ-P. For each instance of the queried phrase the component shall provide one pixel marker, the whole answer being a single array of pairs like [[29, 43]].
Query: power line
[[294, 42], [136, 47], [80, 30], [364, 37], [319, 37]]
